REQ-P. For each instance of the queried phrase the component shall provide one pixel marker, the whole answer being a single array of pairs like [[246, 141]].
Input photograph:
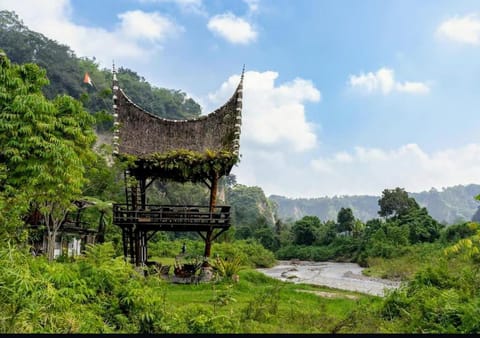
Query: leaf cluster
[[186, 165]]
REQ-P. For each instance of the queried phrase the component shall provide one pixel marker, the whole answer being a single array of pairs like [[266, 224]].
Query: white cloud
[[192, 6], [413, 87], [370, 170], [232, 28], [461, 29], [362, 171], [383, 80], [140, 25], [273, 115], [253, 5], [136, 35], [343, 157]]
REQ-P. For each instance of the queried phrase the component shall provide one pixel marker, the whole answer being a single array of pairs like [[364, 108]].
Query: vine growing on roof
[[184, 165]]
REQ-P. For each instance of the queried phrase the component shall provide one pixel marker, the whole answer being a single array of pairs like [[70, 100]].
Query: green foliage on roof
[[184, 165]]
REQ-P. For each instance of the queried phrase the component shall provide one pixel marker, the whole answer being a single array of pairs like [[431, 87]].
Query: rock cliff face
[[250, 205], [448, 206]]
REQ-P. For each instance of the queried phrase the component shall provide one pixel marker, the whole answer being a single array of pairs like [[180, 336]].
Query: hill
[[447, 206], [65, 71]]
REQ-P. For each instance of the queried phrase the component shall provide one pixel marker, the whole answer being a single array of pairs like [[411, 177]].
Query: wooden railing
[[171, 215]]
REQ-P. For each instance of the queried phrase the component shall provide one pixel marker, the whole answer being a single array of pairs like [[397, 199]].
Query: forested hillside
[[449, 205], [65, 71]]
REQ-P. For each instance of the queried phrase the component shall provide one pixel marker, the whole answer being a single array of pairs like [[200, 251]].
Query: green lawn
[[260, 304]]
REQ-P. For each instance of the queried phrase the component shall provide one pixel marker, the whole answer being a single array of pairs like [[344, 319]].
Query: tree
[[305, 230], [345, 220], [358, 228], [395, 202], [44, 144], [326, 233], [13, 206], [422, 227], [266, 237]]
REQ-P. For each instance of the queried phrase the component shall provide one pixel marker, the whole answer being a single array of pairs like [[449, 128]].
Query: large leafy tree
[[396, 202], [44, 144], [305, 230], [422, 227], [345, 220]]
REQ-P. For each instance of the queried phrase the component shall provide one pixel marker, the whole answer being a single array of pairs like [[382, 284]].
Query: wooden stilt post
[[213, 201], [143, 193], [144, 246], [137, 247], [132, 253], [125, 243]]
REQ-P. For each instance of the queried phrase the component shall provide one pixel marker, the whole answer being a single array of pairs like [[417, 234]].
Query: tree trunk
[[51, 244], [53, 225]]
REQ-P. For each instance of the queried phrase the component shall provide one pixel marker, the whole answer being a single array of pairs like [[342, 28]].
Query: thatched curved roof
[[145, 135]]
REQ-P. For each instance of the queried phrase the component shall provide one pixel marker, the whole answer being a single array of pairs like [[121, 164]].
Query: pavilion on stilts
[[202, 150]]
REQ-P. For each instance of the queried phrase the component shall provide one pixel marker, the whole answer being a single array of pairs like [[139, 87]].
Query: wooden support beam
[[125, 243], [201, 235], [208, 245], [131, 240], [153, 234], [125, 176], [213, 201], [149, 183], [137, 247], [207, 184], [143, 192], [213, 192], [219, 233], [144, 247]]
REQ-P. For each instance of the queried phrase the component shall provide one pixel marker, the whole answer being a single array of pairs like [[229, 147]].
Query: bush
[[455, 232], [249, 252], [306, 253], [227, 267]]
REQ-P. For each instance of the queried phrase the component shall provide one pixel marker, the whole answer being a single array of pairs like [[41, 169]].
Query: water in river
[[345, 276]]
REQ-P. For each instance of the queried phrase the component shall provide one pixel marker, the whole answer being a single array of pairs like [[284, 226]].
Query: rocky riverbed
[[345, 276]]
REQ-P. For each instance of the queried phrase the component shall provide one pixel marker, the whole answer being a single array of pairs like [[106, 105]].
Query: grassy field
[[404, 267], [260, 304]]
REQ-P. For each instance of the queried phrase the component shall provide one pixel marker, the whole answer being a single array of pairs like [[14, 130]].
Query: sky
[[340, 97]]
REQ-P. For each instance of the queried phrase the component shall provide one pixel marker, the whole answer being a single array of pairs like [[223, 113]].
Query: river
[[345, 276]]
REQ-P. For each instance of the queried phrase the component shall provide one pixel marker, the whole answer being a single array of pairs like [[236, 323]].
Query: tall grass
[[100, 293]]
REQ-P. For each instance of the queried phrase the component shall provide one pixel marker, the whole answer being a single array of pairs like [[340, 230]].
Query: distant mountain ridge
[[448, 206]]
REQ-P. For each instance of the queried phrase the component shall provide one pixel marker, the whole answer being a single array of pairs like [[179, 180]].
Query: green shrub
[[456, 232], [227, 267], [264, 305], [251, 253]]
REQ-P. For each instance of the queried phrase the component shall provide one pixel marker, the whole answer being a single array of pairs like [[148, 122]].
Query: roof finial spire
[[115, 109], [114, 72], [240, 84], [243, 73]]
